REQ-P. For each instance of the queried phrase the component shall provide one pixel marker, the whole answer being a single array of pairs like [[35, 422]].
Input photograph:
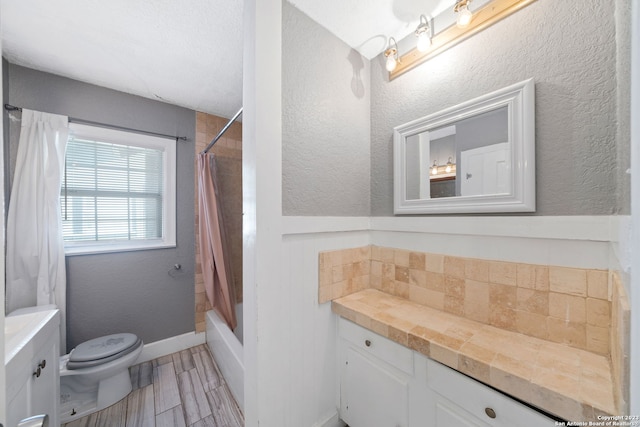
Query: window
[[118, 191]]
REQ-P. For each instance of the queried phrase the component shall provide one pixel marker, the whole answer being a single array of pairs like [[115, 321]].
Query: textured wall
[[129, 291], [572, 58], [325, 122]]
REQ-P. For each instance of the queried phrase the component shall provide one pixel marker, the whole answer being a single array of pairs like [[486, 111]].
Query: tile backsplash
[[559, 304]]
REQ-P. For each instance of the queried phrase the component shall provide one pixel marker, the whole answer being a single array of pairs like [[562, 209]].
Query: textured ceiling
[[184, 52]]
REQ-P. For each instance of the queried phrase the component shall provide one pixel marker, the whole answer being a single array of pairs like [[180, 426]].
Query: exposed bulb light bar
[[464, 15], [392, 55], [423, 33]]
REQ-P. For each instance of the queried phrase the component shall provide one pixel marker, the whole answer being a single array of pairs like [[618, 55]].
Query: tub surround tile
[[568, 382]]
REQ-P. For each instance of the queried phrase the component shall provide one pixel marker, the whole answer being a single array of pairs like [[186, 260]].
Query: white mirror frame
[[519, 99]]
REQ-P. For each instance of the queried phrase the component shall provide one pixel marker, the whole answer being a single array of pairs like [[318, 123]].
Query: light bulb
[[424, 41], [449, 165], [423, 33], [434, 169], [464, 16], [391, 63]]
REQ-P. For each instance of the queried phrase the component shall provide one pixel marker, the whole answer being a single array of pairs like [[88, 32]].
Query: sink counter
[[25, 332], [570, 383]]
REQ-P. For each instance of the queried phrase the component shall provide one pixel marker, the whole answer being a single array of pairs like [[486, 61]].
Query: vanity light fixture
[[392, 55], [434, 168], [464, 15], [423, 33], [449, 166], [483, 16]]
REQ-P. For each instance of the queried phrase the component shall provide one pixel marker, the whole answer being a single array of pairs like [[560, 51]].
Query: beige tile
[[476, 269], [388, 271], [598, 284], [402, 274], [598, 312], [504, 273], [435, 299], [401, 258], [454, 286], [418, 277], [474, 368], [503, 318], [435, 281], [502, 296], [532, 324], [417, 260], [533, 277], [419, 344], [434, 263], [598, 339], [476, 301], [444, 355], [454, 267], [419, 294], [532, 301], [568, 308], [387, 255], [505, 380], [568, 280], [573, 334], [376, 268], [337, 273], [454, 305]]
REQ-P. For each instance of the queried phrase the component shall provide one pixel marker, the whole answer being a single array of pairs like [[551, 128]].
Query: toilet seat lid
[[99, 348]]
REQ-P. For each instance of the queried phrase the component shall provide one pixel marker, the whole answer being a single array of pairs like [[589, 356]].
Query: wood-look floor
[[179, 390]]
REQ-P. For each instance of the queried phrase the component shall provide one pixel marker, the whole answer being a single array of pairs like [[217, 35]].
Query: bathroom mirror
[[478, 156]]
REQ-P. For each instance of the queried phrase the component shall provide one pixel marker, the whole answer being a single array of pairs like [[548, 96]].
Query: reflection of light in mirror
[[434, 168], [449, 165]]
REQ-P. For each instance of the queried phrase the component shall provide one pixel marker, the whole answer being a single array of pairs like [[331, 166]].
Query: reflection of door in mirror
[[485, 170], [475, 133]]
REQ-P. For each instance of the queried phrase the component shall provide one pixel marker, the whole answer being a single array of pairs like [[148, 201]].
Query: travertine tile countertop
[[570, 383]]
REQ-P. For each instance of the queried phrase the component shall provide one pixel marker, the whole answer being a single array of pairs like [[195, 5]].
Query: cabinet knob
[[367, 343], [490, 412]]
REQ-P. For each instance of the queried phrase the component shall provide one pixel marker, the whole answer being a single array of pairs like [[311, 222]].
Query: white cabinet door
[[42, 402], [372, 395]]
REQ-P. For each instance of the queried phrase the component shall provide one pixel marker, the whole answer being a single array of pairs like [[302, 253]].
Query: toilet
[[95, 374]]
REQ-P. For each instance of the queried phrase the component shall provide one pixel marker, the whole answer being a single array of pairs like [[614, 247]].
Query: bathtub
[[226, 348]]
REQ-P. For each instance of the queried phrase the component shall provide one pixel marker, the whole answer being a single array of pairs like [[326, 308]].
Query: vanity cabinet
[[374, 391], [384, 384], [32, 371]]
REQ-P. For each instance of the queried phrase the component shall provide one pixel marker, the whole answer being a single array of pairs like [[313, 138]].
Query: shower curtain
[[215, 264], [35, 271]]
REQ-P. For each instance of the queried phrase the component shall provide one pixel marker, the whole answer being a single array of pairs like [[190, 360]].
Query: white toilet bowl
[[95, 374]]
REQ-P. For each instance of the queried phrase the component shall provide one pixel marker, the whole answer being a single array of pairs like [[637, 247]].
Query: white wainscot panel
[[311, 377]]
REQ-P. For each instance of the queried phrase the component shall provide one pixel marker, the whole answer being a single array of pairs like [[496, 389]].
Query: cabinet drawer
[[481, 401], [383, 348]]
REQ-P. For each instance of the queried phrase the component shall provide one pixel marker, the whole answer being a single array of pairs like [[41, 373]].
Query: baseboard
[[333, 421], [171, 345]]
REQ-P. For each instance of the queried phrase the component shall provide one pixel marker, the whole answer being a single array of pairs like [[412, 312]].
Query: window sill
[[113, 248]]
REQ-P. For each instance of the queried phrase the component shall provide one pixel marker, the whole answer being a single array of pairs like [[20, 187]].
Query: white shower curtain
[[36, 273]]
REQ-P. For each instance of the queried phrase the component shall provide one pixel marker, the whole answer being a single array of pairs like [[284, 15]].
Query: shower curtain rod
[[10, 107], [224, 129]]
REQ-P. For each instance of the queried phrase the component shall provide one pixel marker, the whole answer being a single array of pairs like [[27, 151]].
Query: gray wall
[[130, 291], [570, 52], [325, 122]]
